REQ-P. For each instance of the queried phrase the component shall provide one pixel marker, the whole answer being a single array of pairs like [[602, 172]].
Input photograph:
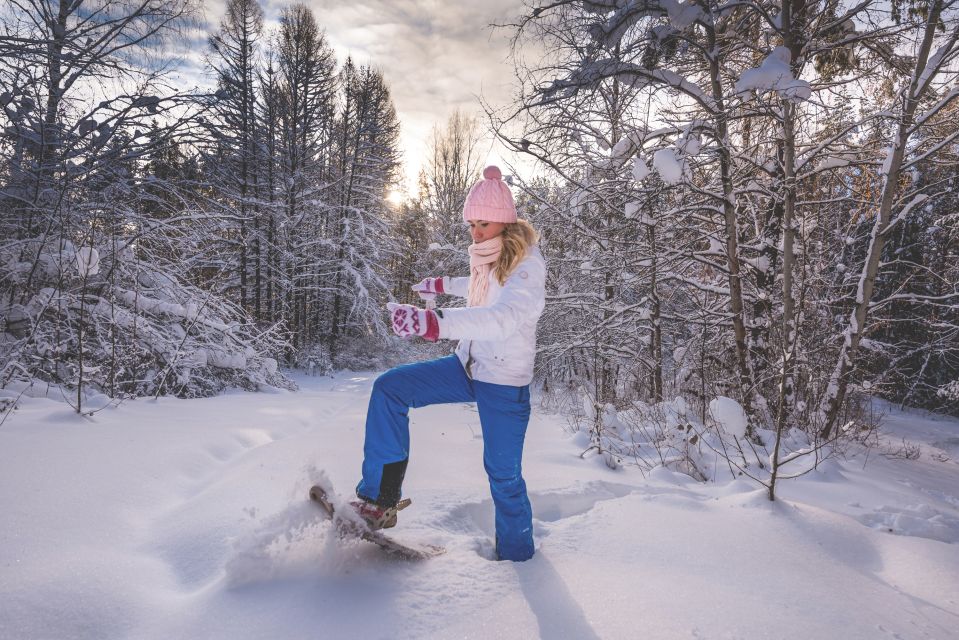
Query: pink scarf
[[482, 258]]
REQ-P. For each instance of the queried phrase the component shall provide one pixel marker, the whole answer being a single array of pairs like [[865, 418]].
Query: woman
[[493, 366]]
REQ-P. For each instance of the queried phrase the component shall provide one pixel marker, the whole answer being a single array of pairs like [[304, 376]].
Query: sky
[[436, 56]]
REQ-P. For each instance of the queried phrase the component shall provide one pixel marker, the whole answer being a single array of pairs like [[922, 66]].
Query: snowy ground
[[189, 519]]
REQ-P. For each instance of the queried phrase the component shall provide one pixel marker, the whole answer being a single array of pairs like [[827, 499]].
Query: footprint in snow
[[949, 446], [554, 506], [549, 507], [921, 521]]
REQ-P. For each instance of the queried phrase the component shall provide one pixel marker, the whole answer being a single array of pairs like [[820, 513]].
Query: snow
[[662, 31], [729, 415], [775, 74], [933, 65], [673, 79], [88, 261], [189, 519], [599, 7], [640, 170], [627, 13], [669, 165], [681, 14], [625, 147], [832, 162], [716, 247], [920, 520], [917, 200], [689, 144], [622, 147], [760, 264]]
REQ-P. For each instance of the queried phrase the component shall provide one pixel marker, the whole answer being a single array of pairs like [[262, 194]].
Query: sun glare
[[396, 197]]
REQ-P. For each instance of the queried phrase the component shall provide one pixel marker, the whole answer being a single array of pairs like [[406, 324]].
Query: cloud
[[436, 56]]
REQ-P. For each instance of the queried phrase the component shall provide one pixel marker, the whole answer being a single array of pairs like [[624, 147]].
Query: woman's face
[[481, 230]]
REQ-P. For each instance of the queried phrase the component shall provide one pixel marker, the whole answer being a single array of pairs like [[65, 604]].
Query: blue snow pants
[[504, 414]]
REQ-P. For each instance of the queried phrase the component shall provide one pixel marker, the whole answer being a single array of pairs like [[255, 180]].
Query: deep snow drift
[[190, 519]]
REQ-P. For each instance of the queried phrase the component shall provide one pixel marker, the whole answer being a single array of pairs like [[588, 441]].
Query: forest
[[748, 211]]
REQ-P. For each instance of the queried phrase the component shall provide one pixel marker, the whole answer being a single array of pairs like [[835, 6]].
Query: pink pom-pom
[[492, 172]]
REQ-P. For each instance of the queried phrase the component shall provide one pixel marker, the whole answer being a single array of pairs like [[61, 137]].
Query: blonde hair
[[518, 237]]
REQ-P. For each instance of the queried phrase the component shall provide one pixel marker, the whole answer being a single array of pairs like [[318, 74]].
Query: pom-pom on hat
[[490, 199]]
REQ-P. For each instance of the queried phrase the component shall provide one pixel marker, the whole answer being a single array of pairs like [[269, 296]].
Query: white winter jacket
[[498, 341]]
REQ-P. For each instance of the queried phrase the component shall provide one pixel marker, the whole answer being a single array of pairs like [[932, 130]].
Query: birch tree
[[453, 166], [923, 94]]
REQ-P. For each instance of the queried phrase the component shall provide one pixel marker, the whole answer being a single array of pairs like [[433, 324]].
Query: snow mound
[[729, 415], [948, 445]]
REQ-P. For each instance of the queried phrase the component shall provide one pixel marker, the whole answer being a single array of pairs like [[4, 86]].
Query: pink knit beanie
[[490, 199]]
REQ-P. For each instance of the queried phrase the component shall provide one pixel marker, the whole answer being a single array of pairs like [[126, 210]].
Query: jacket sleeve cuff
[[443, 325], [432, 326]]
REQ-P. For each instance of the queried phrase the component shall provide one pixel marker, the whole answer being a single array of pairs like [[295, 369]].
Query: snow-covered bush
[[156, 241], [129, 330], [668, 434]]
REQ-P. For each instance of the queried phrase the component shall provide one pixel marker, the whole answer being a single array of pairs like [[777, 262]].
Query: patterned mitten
[[428, 288], [412, 321]]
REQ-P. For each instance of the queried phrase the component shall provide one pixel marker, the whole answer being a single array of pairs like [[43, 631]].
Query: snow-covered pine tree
[[234, 156], [305, 98], [367, 154], [268, 138]]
